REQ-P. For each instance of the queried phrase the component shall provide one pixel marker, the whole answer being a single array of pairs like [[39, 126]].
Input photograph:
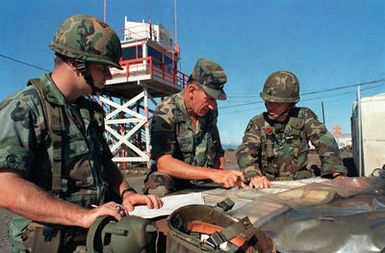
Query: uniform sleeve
[[216, 137], [217, 141], [325, 145], [19, 133], [162, 133], [248, 151]]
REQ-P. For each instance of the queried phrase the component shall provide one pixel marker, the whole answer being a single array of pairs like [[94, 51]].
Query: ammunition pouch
[[42, 238]]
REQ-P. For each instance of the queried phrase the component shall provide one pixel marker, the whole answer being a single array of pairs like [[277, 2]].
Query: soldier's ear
[[72, 64], [191, 89]]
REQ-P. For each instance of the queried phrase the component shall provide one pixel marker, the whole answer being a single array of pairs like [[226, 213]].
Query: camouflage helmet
[[188, 225], [281, 87], [89, 39]]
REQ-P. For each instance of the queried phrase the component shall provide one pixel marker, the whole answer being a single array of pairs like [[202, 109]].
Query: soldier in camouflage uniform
[[184, 135], [276, 143], [52, 200]]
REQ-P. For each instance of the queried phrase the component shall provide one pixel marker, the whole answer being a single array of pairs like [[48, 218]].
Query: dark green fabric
[[25, 147], [279, 150], [172, 133], [55, 126]]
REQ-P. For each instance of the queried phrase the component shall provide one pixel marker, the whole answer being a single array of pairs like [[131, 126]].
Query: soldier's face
[[278, 111], [100, 74], [201, 102]]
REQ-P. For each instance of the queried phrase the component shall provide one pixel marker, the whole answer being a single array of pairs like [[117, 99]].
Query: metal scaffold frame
[[126, 127], [149, 70]]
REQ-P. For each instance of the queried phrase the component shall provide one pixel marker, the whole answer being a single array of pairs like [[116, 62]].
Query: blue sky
[[328, 44]]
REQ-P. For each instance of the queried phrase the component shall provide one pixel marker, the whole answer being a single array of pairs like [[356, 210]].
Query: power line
[[311, 93], [345, 87], [24, 63], [239, 105], [323, 90]]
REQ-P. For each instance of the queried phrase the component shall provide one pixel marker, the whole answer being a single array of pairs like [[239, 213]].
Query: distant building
[[337, 131], [343, 140]]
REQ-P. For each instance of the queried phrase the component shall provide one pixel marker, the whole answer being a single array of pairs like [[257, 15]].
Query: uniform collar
[[50, 90], [182, 111]]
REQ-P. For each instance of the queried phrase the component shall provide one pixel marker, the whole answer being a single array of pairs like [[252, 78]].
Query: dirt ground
[[5, 217]]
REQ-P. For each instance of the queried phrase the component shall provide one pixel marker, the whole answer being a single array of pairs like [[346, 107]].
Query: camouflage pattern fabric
[[25, 147], [159, 184], [279, 150], [281, 87], [211, 77], [172, 133], [88, 38]]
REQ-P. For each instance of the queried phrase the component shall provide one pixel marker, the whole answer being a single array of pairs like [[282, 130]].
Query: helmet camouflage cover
[[281, 87], [188, 223], [87, 38]]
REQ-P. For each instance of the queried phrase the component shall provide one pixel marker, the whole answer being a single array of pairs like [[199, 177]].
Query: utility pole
[[323, 112], [360, 146]]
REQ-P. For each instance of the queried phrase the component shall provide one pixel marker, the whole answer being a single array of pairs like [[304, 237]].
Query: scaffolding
[[150, 73]]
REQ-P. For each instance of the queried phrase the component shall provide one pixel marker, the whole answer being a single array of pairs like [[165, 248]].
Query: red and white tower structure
[[150, 71]]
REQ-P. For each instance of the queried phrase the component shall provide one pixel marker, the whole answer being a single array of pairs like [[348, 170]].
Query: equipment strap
[[225, 205], [54, 119], [243, 226]]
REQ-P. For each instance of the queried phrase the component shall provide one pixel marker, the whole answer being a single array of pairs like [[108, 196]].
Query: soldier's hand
[[259, 182], [228, 178], [108, 209], [134, 199]]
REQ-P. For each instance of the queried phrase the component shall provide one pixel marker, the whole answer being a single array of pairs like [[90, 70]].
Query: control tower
[[150, 73]]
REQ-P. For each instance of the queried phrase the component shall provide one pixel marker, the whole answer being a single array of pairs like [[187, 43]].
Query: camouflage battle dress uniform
[[279, 150], [27, 149], [172, 133]]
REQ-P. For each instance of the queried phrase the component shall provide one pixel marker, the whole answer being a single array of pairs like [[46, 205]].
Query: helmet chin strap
[[82, 67]]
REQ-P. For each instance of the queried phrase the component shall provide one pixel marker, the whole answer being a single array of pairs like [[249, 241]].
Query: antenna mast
[[175, 25], [149, 10], [105, 11]]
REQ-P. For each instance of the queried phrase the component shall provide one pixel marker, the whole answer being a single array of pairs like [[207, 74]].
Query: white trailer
[[368, 133]]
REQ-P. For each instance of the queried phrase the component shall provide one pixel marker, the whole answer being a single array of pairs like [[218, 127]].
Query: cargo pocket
[[186, 146]]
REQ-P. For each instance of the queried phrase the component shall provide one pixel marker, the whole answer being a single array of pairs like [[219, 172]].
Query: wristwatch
[[128, 189]]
